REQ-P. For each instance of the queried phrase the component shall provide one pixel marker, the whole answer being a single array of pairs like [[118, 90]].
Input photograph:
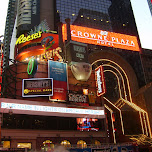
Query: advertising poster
[[37, 87], [58, 71], [87, 124]]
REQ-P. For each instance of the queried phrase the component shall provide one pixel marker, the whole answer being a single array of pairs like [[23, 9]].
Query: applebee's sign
[[100, 84]]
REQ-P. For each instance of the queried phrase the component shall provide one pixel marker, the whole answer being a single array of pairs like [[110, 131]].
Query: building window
[[6, 144], [97, 143], [47, 145], [65, 143], [24, 145], [81, 144]]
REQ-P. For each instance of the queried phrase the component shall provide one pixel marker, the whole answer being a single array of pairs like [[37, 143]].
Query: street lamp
[[1, 123]]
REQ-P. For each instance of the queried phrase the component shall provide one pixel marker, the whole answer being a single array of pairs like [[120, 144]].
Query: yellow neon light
[[118, 102], [114, 137], [117, 81], [122, 126], [141, 123], [130, 103], [145, 123], [23, 39], [147, 117], [137, 108], [128, 85], [125, 95]]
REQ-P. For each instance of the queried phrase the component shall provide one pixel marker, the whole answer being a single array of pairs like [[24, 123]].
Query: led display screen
[[143, 18], [87, 124]]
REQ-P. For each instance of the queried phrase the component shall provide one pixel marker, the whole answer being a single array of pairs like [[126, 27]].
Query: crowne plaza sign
[[99, 37]]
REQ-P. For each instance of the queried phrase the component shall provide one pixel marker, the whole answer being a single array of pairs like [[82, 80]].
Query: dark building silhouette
[[93, 19], [122, 18]]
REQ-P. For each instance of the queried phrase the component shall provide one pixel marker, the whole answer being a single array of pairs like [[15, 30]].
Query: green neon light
[[50, 45], [30, 71]]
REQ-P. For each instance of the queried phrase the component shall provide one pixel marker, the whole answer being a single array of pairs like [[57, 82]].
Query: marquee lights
[[39, 108], [99, 37]]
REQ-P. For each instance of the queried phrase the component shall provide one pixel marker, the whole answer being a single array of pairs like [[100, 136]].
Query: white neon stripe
[[17, 106]]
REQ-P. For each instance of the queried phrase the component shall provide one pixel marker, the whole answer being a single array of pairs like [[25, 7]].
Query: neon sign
[[78, 98], [99, 37], [23, 39], [37, 87], [52, 54], [32, 67], [99, 81]]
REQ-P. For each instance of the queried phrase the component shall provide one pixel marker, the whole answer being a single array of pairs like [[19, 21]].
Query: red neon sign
[[99, 37], [100, 83]]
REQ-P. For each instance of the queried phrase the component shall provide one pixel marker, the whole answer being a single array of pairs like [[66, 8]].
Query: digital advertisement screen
[[143, 19], [87, 124]]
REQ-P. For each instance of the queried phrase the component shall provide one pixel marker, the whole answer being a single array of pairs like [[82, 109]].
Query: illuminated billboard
[[99, 37], [58, 71], [45, 44], [100, 84], [87, 124], [37, 87], [143, 18]]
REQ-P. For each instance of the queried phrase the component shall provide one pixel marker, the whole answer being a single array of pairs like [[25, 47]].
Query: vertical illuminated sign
[[100, 83]]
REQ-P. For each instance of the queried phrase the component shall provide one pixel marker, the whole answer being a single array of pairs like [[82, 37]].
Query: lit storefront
[[70, 91]]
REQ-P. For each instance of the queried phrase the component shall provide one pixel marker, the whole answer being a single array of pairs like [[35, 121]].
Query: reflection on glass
[[24, 145]]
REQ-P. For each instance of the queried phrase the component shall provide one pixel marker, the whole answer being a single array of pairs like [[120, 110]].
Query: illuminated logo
[[99, 81], [37, 87], [23, 38], [47, 42], [32, 67], [50, 54], [99, 37]]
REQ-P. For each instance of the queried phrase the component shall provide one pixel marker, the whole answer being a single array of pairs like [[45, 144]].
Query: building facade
[[78, 75]]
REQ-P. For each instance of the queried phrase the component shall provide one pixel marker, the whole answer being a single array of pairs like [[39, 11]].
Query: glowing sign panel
[[99, 81], [39, 108], [37, 87], [99, 37]]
